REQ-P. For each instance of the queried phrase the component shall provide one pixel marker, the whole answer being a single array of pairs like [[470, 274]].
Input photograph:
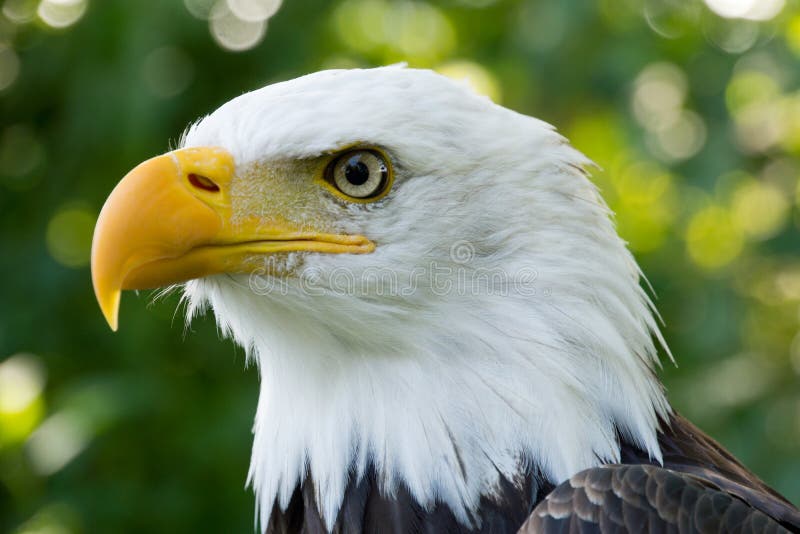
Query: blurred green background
[[691, 108]]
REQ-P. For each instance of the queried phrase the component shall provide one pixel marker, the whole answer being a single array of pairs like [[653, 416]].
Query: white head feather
[[499, 322]]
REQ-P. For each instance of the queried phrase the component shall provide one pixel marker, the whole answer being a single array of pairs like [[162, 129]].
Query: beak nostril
[[204, 183]]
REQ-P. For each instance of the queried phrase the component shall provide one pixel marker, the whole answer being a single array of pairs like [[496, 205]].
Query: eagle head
[[430, 285]]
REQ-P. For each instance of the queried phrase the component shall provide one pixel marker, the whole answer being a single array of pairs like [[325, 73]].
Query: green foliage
[[693, 118]]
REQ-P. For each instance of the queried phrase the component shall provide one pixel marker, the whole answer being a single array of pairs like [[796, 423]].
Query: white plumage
[[446, 387]]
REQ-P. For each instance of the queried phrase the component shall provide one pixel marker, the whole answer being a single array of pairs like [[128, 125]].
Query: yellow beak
[[169, 220]]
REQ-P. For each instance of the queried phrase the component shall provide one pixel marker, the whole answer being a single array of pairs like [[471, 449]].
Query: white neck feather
[[469, 376], [447, 398], [442, 390]]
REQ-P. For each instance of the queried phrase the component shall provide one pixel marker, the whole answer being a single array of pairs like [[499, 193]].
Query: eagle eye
[[360, 174]]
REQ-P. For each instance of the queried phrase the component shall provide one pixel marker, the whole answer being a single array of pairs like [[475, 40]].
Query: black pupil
[[356, 172]]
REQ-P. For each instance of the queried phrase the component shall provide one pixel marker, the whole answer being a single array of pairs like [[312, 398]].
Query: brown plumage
[[701, 487]]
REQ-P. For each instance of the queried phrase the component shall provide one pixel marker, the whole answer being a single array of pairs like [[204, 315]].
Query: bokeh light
[[55, 518], [670, 18], [20, 11], [235, 25], [395, 31], [167, 71], [200, 8], [540, 26], [712, 238], [9, 66], [476, 76], [746, 9], [678, 139], [61, 13], [763, 114], [759, 209], [21, 157], [733, 36], [657, 102], [233, 33], [737, 380], [658, 95], [793, 34], [645, 201], [57, 441], [22, 380], [69, 236], [750, 88], [254, 10]]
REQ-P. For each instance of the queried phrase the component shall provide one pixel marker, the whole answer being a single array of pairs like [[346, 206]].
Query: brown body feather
[[701, 487]]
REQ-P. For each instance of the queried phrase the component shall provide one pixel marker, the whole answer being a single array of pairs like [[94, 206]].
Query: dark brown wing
[[644, 498], [700, 484], [687, 449], [700, 487]]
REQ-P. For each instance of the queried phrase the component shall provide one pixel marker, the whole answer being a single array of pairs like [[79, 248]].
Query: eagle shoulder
[[645, 498]]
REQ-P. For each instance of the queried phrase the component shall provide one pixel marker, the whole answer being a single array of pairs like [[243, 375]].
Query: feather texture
[[644, 498], [498, 330], [700, 488]]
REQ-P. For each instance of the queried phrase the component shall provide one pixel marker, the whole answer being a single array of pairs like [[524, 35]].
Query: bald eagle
[[450, 334]]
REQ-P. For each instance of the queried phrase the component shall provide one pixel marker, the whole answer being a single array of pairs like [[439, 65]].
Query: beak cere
[[170, 220]]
